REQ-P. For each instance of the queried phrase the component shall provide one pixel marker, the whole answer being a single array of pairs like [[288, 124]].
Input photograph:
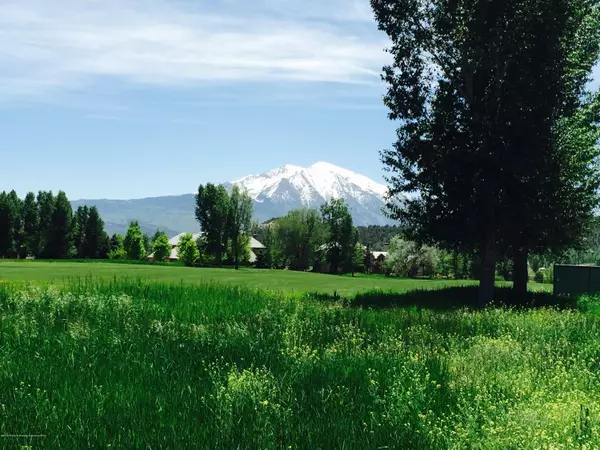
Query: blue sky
[[136, 98]]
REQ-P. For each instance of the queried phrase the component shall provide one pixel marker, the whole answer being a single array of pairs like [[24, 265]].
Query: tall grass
[[146, 365]]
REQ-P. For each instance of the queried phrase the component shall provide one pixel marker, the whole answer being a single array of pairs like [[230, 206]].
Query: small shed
[[576, 280]]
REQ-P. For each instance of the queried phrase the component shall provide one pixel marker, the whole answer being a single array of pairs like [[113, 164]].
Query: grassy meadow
[[42, 272], [134, 364]]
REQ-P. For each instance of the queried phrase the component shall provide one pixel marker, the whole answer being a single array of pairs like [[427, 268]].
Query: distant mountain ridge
[[274, 194]]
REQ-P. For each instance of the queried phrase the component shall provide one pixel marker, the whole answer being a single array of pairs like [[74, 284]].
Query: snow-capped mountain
[[274, 193], [280, 190]]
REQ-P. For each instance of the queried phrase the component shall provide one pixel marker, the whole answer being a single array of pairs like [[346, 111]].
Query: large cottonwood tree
[[484, 91]]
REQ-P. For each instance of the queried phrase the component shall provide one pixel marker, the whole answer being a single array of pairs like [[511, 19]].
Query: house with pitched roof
[[255, 247]]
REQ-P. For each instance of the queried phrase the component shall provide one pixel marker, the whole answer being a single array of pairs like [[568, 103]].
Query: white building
[[255, 247]]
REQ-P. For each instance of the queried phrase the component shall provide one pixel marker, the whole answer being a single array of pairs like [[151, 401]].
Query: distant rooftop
[[174, 241]]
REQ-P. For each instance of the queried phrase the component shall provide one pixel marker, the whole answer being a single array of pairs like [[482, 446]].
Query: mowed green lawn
[[39, 272]]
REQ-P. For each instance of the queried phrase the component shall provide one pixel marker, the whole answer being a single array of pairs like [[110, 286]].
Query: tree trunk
[[235, 245], [488, 268], [520, 273]]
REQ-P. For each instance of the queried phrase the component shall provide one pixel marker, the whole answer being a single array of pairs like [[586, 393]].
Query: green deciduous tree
[[116, 241], [341, 235], [408, 259], [358, 258], [239, 223], [187, 250], [212, 210], [350, 256], [157, 234], [117, 247], [264, 258], [243, 250], [297, 237], [147, 240], [133, 243], [444, 266], [161, 247], [481, 89], [551, 207], [369, 260], [402, 259]]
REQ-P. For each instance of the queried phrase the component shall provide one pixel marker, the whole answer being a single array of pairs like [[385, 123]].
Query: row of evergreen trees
[[44, 226]]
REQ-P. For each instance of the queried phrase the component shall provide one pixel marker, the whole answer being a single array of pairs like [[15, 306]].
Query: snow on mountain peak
[[330, 178], [322, 180], [288, 187]]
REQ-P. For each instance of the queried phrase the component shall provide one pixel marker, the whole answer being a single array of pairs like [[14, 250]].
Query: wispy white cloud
[[70, 45], [320, 10], [281, 94], [110, 117]]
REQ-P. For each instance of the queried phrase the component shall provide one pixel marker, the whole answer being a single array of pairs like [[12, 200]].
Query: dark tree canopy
[[31, 225], [485, 92], [10, 224], [60, 243], [95, 237], [46, 205], [45, 227], [80, 220], [377, 236]]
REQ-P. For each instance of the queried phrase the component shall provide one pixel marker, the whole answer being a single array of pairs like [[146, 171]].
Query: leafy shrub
[[117, 254], [539, 276], [499, 278], [589, 303], [407, 259], [505, 269]]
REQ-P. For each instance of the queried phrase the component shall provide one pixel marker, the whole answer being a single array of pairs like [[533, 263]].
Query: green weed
[[129, 364]]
